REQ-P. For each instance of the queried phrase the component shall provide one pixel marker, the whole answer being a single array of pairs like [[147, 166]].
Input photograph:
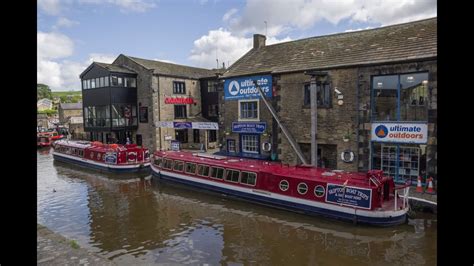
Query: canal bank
[[54, 249], [422, 201]]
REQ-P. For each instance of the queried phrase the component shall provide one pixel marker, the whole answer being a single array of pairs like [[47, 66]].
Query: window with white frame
[[248, 110], [250, 143]]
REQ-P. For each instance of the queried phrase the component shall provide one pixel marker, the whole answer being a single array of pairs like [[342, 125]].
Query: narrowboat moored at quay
[[365, 198], [108, 157]]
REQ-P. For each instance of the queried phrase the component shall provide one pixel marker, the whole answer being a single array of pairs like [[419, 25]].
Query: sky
[[72, 34]]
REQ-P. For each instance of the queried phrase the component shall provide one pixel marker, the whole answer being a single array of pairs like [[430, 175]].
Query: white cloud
[[54, 45], [50, 7], [283, 16], [139, 6], [102, 58], [229, 14], [358, 29], [229, 48], [65, 23]]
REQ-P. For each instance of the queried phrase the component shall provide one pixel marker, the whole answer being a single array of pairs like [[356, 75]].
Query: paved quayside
[[54, 249]]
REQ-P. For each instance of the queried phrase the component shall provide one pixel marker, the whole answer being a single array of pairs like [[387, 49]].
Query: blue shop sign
[[244, 88], [349, 196], [182, 125], [249, 127]]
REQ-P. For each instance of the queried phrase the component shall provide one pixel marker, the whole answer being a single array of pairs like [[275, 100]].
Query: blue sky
[[74, 33]]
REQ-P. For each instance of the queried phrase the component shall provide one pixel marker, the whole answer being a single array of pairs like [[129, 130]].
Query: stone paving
[[54, 249]]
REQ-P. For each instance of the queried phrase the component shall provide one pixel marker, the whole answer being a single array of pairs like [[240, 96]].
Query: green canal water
[[136, 219]]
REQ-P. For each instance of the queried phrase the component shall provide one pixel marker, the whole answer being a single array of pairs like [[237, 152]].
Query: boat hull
[[382, 219], [103, 167]]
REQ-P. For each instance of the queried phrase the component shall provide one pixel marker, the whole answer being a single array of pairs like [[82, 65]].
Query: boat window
[[302, 188], [217, 172], [81, 153], [178, 166], [203, 170], [158, 161], [319, 191], [92, 155], [190, 168], [232, 175], [284, 185], [168, 164], [248, 178]]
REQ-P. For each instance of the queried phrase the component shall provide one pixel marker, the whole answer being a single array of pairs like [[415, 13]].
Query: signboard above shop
[[194, 125], [400, 132], [179, 100], [244, 88], [249, 127]]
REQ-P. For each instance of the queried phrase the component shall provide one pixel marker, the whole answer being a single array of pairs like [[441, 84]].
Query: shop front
[[400, 128]]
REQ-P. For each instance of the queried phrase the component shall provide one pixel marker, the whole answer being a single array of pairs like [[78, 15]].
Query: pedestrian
[[128, 141]]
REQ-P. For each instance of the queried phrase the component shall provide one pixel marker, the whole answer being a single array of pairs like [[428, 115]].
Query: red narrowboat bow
[[367, 198], [96, 155]]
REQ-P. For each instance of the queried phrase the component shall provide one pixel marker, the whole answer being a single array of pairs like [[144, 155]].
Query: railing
[[406, 190]]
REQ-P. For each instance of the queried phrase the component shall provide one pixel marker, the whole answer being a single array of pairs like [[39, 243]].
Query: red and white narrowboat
[[43, 139], [366, 198], [108, 157]]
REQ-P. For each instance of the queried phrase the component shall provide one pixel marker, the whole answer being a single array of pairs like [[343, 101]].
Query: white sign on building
[[400, 132]]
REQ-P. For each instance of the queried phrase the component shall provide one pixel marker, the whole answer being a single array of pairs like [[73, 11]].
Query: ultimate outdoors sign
[[244, 88]]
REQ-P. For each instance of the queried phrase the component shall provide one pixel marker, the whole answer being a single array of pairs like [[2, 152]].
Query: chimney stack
[[258, 41]]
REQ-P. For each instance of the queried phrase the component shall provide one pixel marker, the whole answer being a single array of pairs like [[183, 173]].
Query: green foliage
[[43, 91], [68, 96], [48, 112], [74, 244]]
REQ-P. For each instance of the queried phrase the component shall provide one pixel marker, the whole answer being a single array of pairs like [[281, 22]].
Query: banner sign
[[244, 88], [182, 125], [179, 100], [400, 132], [349, 196], [249, 127], [194, 125]]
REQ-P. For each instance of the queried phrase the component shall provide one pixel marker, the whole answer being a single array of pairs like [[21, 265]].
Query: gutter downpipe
[[357, 115]]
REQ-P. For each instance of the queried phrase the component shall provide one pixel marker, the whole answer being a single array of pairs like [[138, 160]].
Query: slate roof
[[71, 106], [408, 41], [115, 68], [169, 69]]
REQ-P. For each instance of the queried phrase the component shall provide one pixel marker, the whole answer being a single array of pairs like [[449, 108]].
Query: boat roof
[[276, 168], [74, 143], [93, 146]]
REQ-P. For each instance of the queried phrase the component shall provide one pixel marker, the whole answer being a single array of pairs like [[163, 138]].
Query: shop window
[[302, 188], [248, 178], [106, 81], [231, 145], [101, 82], [124, 115], [190, 168], [212, 135], [217, 172], [97, 82], [92, 83], [232, 175], [400, 97], [323, 92], [84, 84], [284, 185], [248, 110], [212, 110], [203, 170], [196, 138], [178, 166], [180, 111], [250, 143], [130, 82], [181, 135], [120, 81], [179, 87]]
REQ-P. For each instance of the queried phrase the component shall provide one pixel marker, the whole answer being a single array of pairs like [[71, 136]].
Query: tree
[[43, 91]]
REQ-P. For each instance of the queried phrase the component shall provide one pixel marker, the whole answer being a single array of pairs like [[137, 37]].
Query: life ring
[[347, 156], [266, 146]]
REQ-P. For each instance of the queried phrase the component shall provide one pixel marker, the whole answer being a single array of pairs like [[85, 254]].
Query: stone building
[[165, 99], [67, 110], [376, 98]]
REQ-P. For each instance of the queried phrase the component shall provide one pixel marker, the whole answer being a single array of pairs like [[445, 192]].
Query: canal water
[[136, 219]]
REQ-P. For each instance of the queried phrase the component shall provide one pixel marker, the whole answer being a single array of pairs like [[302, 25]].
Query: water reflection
[[137, 219]]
